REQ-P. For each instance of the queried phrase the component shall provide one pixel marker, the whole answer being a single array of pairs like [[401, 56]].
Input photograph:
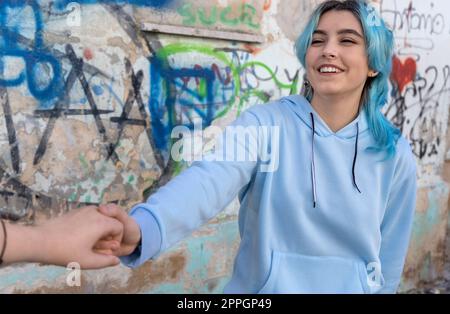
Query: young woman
[[335, 215]]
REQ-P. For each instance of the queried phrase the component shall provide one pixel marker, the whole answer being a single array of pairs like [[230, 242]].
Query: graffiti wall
[[90, 91], [419, 106]]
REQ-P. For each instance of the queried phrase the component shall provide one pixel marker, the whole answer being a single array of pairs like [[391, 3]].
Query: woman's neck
[[336, 111]]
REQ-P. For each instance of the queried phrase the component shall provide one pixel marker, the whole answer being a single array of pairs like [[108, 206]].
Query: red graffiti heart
[[403, 73]]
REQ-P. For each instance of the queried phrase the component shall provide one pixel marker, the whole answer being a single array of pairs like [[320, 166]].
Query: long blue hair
[[379, 48]]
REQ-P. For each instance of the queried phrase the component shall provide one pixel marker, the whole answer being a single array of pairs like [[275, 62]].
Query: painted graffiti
[[403, 72], [42, 70], [414, 104], [206, 91], [62, 4], [189, 84], [420, 86], [177, 83], [242, 14], [410, 19]]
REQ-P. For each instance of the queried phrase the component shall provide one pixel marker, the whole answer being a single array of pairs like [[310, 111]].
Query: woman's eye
[[346, 41]]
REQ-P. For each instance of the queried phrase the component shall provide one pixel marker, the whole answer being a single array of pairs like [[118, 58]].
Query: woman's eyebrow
[[349, 31], [320, 32], [340, 32]]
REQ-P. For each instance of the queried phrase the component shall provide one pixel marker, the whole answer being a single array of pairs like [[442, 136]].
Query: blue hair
[[379, 48]]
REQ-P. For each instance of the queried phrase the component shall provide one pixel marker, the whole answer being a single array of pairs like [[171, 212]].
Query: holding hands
[[90, 236]]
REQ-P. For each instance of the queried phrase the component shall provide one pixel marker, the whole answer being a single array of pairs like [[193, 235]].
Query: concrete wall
[[89, 99]]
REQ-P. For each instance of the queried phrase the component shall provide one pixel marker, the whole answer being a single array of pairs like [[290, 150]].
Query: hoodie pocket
[[295, 273]]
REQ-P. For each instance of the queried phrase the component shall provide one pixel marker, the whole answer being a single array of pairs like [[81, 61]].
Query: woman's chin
[[329, 92]]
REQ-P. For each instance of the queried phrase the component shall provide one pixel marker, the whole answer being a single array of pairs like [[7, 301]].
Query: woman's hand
[[131, 230], [84, 236]]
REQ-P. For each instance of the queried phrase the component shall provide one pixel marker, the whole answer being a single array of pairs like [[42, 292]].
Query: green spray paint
[[244, 15], [236, 71], [212, 16], [164, 53], [84, 163]]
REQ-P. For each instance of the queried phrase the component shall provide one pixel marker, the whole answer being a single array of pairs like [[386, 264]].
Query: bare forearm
[[24, 244], [84, 236]]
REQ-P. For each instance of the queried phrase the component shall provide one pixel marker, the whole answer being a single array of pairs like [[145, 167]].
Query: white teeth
[[329, 70]]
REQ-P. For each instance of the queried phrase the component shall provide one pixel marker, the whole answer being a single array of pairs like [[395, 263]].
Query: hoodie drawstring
[[354, 158], [313, 170]]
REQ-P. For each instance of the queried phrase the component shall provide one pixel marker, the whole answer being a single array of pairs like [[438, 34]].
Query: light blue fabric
[[350, 242]]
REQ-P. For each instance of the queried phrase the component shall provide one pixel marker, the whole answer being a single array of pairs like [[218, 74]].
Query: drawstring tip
[[356, 186], [314, 204]]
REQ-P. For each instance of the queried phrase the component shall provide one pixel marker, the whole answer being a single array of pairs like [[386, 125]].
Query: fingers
[[115, 228], [113, 211], [104, 251], [111, 245], [99, 260], [108, 229], [113, 248]]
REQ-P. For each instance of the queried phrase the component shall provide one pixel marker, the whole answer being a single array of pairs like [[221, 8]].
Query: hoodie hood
[[301, 106]]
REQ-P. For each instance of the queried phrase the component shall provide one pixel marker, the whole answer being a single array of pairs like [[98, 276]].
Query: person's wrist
[[136, 249], [132, 237], [39, 247], [22, 244], [4, 240]]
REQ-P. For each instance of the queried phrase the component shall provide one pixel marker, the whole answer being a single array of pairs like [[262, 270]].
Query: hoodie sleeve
[[397, 222], [195, 195]]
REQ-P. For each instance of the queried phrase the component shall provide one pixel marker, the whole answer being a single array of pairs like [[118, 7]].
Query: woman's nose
[[329, 51], [328, 54]]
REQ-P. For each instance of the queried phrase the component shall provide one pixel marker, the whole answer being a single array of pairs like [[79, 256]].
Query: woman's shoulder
[[271, 112], [404, 155], [404, 147]]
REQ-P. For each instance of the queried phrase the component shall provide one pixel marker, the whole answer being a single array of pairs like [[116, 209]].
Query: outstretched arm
[[191, 198]]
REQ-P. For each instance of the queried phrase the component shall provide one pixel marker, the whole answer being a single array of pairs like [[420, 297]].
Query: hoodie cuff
[[150, 238]]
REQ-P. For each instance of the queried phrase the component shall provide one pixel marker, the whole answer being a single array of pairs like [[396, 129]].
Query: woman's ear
[[372, 73]]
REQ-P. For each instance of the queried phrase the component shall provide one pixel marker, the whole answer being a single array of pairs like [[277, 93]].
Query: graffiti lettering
[[244, 14], [411, 20]]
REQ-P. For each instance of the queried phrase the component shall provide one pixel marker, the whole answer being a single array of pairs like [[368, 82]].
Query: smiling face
[[336, 60]]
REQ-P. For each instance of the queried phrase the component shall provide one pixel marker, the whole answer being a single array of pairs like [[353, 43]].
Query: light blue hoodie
[[330, 219]]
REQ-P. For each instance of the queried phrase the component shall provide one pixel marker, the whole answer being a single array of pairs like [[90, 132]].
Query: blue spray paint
[[163, 98], [61, 4], [34, 58]]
